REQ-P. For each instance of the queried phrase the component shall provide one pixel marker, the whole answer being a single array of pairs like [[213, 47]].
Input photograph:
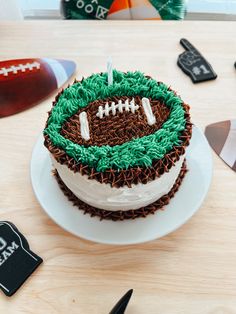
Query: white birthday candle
[[109, 72]]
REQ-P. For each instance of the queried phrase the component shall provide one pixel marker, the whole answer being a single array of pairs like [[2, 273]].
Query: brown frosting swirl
[[118, 129]]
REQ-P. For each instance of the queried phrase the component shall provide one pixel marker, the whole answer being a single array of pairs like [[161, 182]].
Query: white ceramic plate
[[184, 204]]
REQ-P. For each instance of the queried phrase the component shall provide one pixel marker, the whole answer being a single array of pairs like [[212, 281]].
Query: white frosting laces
[[148, 111], [84, 126], [120, 107]]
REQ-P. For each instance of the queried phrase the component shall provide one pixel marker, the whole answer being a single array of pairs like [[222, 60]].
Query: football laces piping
[[113, 108], [21, 67]]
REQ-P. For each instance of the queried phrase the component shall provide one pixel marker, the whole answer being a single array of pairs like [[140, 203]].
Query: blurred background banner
[[170, 9], [118, 9], [124, 9]]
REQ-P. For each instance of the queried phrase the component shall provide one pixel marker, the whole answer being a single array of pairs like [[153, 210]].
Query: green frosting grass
[[137, 152]]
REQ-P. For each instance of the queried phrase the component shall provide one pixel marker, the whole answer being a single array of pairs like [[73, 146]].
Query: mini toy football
[[222, 138], [25, 82]]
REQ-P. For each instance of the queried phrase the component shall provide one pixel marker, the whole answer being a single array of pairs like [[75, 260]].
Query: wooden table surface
[[192, 270]]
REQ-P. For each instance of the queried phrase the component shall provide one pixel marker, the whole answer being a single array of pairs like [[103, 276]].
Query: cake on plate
[[118, 149]]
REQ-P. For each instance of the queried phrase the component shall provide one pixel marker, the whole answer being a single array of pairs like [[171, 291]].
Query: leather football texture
[[26, 82]]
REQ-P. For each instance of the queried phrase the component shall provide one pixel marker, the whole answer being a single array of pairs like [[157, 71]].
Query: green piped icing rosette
[[136, 152]]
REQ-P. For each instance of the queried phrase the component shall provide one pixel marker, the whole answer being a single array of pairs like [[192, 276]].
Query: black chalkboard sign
[[17, 261], [194, 64]]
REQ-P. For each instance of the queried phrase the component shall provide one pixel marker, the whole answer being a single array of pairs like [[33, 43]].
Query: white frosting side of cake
[[104, 196]]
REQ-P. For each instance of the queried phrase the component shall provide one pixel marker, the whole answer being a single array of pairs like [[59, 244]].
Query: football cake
[[118, 150]]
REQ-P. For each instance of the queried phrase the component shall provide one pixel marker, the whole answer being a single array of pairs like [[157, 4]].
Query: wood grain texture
[[191, 270]]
